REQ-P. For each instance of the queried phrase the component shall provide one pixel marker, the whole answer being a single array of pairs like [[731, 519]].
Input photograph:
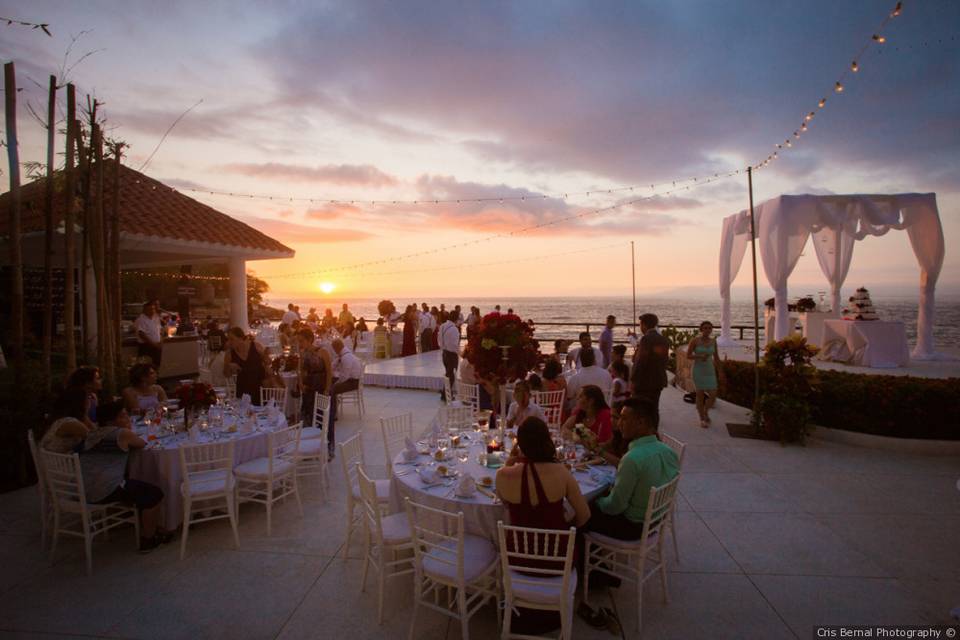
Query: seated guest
[[534, 487], [647, 463], [621, 383], [362, 326], [103, 461], [143, 394], [88, 380], [591, 409], [522, 407], [618, 354], [574, 357], [553, 379], [347, 371], [316, 373], [616, 448], [535, 382], [590, 373]]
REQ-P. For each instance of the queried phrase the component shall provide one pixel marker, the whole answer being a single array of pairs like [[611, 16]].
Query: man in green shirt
[[647, 463]]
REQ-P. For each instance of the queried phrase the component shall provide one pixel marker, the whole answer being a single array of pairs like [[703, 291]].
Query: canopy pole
[[633, 278], [756, 298]]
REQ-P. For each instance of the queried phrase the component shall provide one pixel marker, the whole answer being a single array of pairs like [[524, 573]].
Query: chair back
[[535, 555], [321, 412], [64, 479], [283, 444], [351, 455], [278, 396], [198, 458], [38, 465], [677, 446], [552, 404], [659, 508], [437, 534], [231, 385], [455, 418], [395, 430], [369, 505], [468, 394]]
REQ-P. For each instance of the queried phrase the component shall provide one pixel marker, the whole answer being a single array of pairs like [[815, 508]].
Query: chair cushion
[[312, 447], [626, 545], [478, 554], [310, 433], [383, 490], [541, 589], [396, 528], [208, 483], [258, 468]]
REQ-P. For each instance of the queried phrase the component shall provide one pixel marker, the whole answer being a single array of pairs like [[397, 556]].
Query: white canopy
[[836, 222]]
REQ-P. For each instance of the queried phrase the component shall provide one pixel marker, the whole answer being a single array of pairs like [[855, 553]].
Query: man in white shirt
[[586, 344], [290, 316], [427, 324], [522, 406], [147, 326], [347, 371], [589, 373], [449, 340]]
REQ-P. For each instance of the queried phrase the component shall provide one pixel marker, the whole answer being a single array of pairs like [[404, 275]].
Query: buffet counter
[[180, 359]]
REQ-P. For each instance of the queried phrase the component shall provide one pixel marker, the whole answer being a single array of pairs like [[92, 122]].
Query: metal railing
[[586, 325]]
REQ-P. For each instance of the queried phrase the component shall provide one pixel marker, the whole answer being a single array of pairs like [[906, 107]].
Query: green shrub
[[897, 406]]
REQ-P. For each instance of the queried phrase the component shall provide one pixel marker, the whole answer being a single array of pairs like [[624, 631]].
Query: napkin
[[273, 414], [244, 403], [194, 434], [248, 425], [429, 476], [467, 486], [410, 453]]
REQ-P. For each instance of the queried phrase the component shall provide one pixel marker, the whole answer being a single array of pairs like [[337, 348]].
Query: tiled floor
[[772, 539]]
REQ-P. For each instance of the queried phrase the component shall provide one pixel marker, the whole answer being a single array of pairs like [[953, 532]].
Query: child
[[621, 385]]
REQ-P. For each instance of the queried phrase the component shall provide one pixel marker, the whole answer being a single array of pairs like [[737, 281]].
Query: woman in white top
[[143, 394], [522, 408]]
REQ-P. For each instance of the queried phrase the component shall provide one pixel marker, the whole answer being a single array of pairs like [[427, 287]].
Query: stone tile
[[771, 457], [855, 493], [938, 597], [225, 594], [733, 492], [791, 543], [700, 551], [923, 547], [335, 606], [711, 458], [22, 558], [807, 601], [714, 606]]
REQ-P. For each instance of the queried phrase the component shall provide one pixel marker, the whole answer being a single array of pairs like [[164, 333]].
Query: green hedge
[[897, 406]]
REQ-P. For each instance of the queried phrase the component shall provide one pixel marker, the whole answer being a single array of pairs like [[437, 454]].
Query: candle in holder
[[483, 418], [494, 445]]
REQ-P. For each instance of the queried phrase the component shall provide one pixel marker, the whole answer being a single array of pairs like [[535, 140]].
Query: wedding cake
[[860, 307]]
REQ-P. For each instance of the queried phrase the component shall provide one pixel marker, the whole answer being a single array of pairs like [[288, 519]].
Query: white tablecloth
[[161, 466], [290, 382], [396, 344], [480, 512], [812, 323], [868, 343], [770, 321]]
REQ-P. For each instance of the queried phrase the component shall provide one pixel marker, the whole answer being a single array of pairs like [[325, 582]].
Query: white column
[[238, 293]]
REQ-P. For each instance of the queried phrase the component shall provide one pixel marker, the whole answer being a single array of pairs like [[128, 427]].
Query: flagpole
[[633, 277], [756, 299]]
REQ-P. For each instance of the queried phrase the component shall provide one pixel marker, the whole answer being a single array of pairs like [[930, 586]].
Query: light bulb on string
[[879, 39], [809, 116], [796, 134], [822, 102], [789, 144], [896, 10], [838, 87], [854, 66], [803, 127]]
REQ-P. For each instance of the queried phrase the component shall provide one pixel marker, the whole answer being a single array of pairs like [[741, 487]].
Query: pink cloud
[[293, 233], [340, 174], [332, 211]]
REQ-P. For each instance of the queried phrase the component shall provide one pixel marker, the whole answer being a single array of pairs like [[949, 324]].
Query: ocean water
[[678, 311]]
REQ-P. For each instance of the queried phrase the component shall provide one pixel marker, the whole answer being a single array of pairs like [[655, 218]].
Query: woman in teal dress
[[704, 354]]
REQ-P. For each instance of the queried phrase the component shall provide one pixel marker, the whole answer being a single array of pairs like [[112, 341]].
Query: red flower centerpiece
[[503, 348], [194, 397]]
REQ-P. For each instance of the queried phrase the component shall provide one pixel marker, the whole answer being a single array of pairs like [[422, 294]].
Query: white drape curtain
[[837, 222], [733, 245]]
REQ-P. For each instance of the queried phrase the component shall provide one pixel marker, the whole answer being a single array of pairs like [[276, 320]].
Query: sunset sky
[[445, 100]]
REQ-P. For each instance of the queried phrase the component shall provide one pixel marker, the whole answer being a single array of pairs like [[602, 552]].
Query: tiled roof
[[147, 207]]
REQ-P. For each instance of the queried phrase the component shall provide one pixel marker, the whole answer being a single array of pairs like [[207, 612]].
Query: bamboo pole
[[633, 278], [114, 254], [756, 299], [48, 237], [83, 165], [16, 249], [98, 256], [69, 245]]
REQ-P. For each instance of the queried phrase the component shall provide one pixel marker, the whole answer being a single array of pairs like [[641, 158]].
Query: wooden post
[[114, 254], [83, 166], [48, 236], [69, 246], [16, 253]]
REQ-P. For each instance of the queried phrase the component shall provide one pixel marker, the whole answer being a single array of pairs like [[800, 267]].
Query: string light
[[173, 275], [854, 67], [896, 10], [879, 38], [838, 87], [809, 116], [822, 103]]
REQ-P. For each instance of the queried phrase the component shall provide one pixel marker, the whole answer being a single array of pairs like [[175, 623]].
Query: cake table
[[866, 343]]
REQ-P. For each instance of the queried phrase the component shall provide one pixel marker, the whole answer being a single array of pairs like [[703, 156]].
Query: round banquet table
[[480, 511], [159, 462]]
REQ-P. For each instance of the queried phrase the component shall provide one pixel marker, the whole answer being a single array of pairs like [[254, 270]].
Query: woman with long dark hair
[[248, 360]]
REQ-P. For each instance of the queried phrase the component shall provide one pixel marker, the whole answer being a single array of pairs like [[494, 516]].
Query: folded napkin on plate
[[410, 453], [429, 476], [467, 486]]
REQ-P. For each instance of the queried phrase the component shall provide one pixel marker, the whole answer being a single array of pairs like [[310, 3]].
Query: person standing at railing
[[606, 340]]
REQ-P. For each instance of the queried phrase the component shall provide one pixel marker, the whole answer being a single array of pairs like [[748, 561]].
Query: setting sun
[[326, 287]]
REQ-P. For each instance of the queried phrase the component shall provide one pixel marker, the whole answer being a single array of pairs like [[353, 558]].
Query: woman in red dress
[[592, 410], [409, 332]]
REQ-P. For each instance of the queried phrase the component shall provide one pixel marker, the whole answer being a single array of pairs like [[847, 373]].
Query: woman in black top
[[247, 359]]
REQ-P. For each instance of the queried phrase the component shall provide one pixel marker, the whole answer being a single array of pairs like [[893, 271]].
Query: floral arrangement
[[503, 348], [198, 395], [585, 436], [285, 363], [386, 308]]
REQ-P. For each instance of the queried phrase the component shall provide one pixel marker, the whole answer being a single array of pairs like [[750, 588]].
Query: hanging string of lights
[[533, 197], [875, 40], [171, 275], [508, 234]]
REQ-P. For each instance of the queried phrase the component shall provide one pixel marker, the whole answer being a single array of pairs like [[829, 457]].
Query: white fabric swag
[[836, 222]]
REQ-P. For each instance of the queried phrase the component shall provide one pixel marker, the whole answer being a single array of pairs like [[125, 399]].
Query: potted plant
[[784, 409]]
